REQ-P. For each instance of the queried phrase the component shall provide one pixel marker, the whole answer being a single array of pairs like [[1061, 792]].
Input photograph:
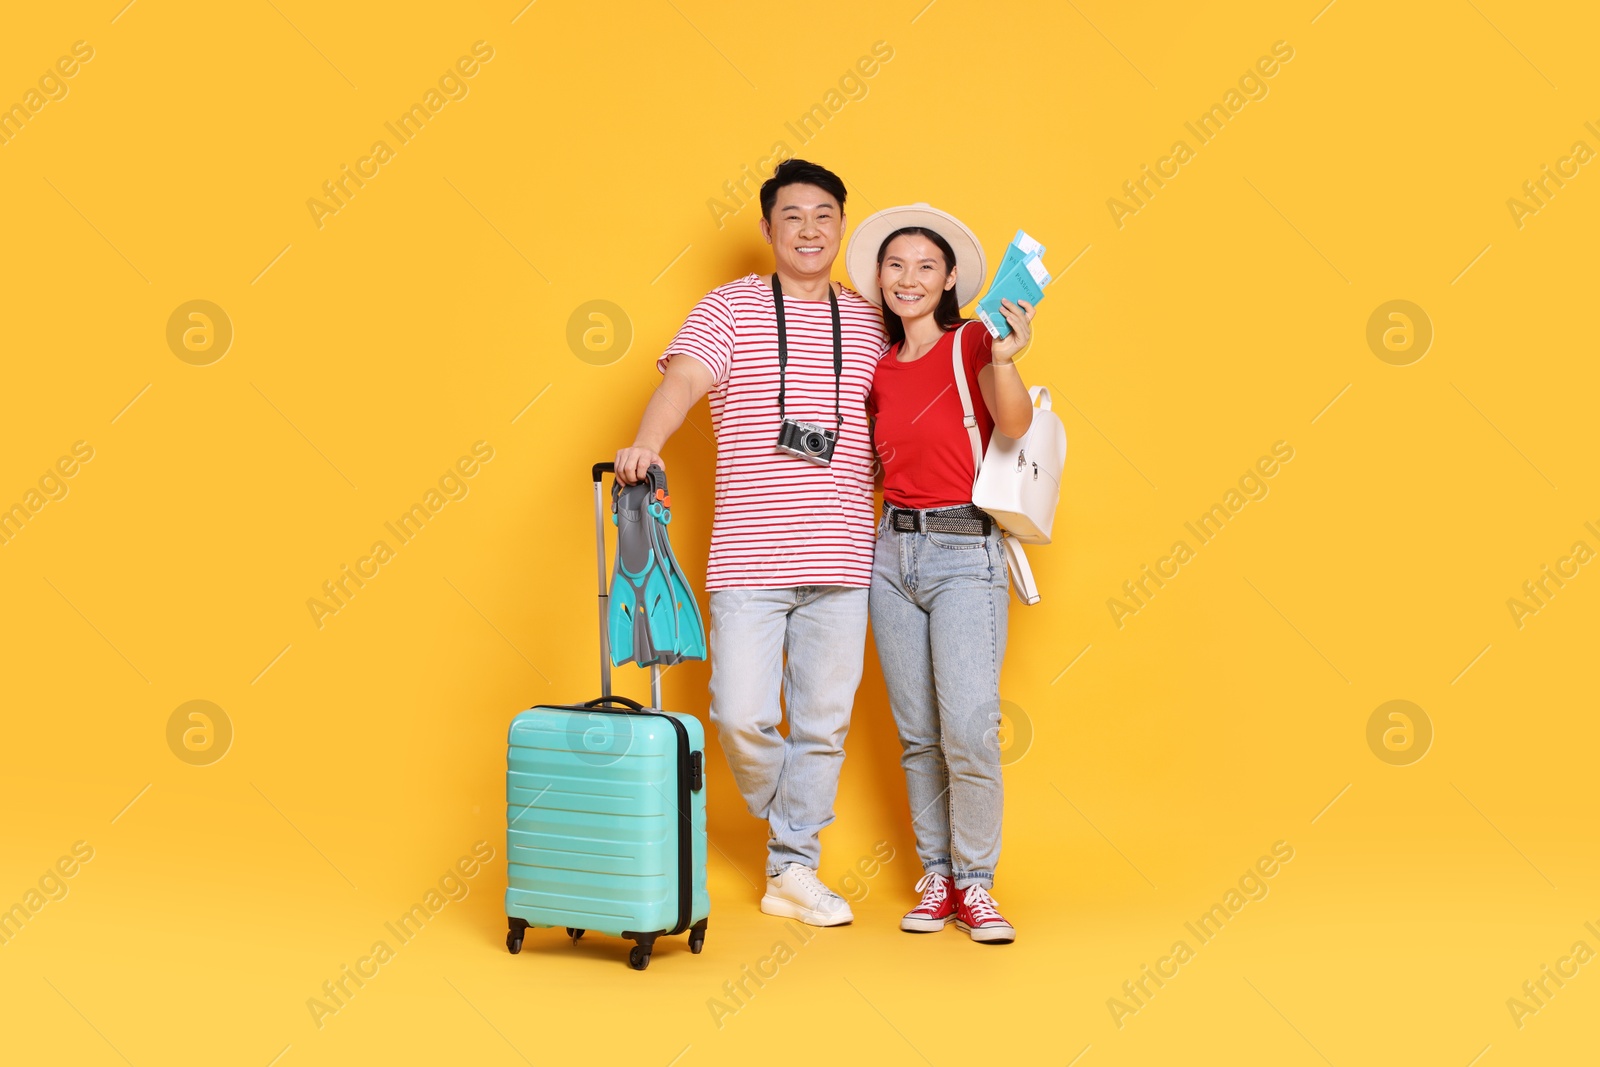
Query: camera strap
[[783, 348]]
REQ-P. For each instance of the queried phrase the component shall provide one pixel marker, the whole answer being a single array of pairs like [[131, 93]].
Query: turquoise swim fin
[[690, 641], [691, 631], [643, 626]]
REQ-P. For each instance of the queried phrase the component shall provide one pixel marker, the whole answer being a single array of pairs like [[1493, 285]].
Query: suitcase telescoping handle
[[597, 472]]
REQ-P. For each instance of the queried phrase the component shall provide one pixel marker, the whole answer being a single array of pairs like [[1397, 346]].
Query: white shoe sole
[[925, 926], [989, 935], [788, 909]]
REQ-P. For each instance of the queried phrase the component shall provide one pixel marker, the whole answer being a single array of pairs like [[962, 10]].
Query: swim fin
[[690, 642], [642, 625]]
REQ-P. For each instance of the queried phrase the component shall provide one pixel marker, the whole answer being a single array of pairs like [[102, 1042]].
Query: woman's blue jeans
[[938, 607]]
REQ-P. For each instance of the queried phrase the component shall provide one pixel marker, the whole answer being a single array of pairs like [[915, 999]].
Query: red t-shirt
[[917, 422]]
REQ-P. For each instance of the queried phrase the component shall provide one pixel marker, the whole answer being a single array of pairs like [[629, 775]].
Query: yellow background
[[429, 312]]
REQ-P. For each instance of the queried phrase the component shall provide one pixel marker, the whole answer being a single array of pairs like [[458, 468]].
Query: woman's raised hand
[[1010, 347]]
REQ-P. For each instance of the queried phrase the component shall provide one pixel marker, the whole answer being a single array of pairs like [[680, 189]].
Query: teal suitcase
[[606, 813]]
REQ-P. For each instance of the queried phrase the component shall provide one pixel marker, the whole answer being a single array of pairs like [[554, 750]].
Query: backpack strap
[[1021, 574], [1016, 559], [968, 418]]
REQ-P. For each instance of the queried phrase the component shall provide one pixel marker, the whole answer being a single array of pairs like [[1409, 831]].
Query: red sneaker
[[977, 915], [937, 907]]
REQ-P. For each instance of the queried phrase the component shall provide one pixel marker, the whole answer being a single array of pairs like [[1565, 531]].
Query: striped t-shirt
[[780, 521]]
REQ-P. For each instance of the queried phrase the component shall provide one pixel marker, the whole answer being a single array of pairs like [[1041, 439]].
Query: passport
[[1021, 277], [1020, 248]]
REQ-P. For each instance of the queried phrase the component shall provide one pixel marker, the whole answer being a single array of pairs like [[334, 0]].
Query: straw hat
[[861, 255]]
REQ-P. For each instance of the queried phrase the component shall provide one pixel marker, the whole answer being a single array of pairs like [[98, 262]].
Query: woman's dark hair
[[799, 172], [948, 312]]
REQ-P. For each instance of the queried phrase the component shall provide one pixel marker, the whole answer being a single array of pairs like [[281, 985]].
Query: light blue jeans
[[809, 641], [939, 605]]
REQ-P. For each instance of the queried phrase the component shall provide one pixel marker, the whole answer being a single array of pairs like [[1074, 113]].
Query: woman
[[939, 585]]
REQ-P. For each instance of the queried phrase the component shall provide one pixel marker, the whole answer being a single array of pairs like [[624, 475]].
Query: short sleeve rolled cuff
[[706, 335]]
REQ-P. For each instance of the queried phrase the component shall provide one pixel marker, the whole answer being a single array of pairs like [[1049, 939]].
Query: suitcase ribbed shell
[[593, 823]]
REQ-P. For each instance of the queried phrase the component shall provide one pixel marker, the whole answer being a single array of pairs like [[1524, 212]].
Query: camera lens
[[815, 443]]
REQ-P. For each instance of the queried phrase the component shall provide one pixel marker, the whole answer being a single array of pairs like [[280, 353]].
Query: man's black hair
[[799, 172]]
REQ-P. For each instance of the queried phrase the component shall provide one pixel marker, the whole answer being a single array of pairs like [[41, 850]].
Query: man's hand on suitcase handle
[[634, 461]]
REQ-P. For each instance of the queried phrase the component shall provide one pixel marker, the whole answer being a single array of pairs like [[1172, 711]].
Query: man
[[792, 538]]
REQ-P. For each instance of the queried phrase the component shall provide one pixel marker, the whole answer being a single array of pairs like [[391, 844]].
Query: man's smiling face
[[804, 230]]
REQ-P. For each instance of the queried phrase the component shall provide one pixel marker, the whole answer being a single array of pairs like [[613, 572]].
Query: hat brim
[[861, 254]]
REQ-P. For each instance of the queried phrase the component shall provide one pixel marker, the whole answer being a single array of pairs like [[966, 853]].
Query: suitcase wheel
[[514, 935], [639, 957], [575, 933], [697, 941]]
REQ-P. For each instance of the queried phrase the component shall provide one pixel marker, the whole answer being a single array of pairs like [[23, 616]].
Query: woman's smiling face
[[913, 276]]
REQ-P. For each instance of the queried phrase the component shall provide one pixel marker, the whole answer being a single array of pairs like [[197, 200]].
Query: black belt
[[963, 520]]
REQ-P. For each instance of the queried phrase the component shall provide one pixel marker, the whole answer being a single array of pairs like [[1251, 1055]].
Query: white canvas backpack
[[1018, 482]]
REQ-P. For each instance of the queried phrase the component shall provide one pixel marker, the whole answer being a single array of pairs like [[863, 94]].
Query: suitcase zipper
[[686, 761]]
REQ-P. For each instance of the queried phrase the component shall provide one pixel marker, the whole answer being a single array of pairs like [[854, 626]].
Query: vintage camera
[[810, 441]]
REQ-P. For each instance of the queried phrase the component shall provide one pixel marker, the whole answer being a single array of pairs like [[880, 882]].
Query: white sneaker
[[797, 893]]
